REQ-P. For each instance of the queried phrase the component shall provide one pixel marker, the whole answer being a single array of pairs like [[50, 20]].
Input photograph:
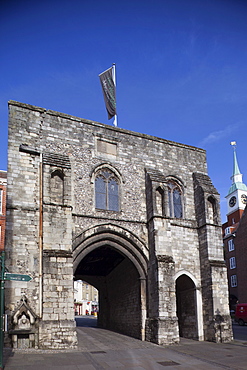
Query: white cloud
[[218, 135]]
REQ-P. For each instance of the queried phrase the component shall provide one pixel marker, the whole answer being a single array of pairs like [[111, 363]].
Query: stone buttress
[[217, 322], [41, 209]]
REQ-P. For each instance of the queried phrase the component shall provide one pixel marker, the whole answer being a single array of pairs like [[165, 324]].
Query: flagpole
[[114, 80]]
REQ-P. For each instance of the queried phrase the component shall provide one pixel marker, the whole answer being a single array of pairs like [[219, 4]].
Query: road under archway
[[119, 286]]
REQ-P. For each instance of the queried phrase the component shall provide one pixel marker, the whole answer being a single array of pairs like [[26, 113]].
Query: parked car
[[241, 313]]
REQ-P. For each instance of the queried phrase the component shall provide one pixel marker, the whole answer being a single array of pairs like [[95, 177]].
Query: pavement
[[103, 349]]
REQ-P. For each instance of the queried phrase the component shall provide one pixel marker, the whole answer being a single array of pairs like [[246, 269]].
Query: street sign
[[16, 277]]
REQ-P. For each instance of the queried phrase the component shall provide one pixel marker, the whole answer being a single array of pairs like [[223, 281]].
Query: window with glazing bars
[[106, 191], [175, 200], [232, 262], [230, 245], [234, 281]]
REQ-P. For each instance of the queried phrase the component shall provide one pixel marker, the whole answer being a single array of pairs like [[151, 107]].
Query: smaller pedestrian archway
[[189, 306]]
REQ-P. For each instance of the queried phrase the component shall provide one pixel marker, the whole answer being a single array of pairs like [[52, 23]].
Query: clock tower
[[237, 194]]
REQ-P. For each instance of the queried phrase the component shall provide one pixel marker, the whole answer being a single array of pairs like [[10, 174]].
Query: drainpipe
[[41, 236]]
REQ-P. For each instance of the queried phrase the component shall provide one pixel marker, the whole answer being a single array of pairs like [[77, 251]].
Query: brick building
[[134, 215], [235, 237], [3, 190]]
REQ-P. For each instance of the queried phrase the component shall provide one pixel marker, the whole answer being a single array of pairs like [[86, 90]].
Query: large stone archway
[[113, 260]]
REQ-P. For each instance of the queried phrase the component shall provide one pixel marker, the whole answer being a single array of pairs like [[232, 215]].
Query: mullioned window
[[106, 190]]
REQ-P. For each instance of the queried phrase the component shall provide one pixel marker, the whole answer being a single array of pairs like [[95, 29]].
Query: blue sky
[[181, 69]]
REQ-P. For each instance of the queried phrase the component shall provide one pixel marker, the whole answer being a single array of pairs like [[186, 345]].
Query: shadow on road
[[86, 321]]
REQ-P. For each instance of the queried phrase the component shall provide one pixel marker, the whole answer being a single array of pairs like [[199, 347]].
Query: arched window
[[212, 213], [175, 200], [106, 191], [160, 201], [57, 186]]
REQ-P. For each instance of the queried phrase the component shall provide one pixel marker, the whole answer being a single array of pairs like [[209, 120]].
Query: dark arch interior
[[186, 307], [100, 262], [118, 284]]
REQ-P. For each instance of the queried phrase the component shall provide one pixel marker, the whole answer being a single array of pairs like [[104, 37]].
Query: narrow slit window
[[100, 192], [160, 201], [177, 204], [113, 195], [57, 187], [175, 200]]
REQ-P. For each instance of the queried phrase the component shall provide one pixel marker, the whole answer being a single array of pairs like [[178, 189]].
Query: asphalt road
[[239, 332], [86, 321], [100, 349]]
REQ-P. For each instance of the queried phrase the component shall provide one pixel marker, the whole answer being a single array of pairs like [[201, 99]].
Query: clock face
[[244, 198], [232, 201]]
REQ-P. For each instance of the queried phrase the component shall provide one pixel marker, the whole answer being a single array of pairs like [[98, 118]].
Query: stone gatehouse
[[134, 215]]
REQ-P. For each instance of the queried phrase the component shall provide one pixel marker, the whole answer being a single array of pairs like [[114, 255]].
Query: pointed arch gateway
[[114, 260]]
